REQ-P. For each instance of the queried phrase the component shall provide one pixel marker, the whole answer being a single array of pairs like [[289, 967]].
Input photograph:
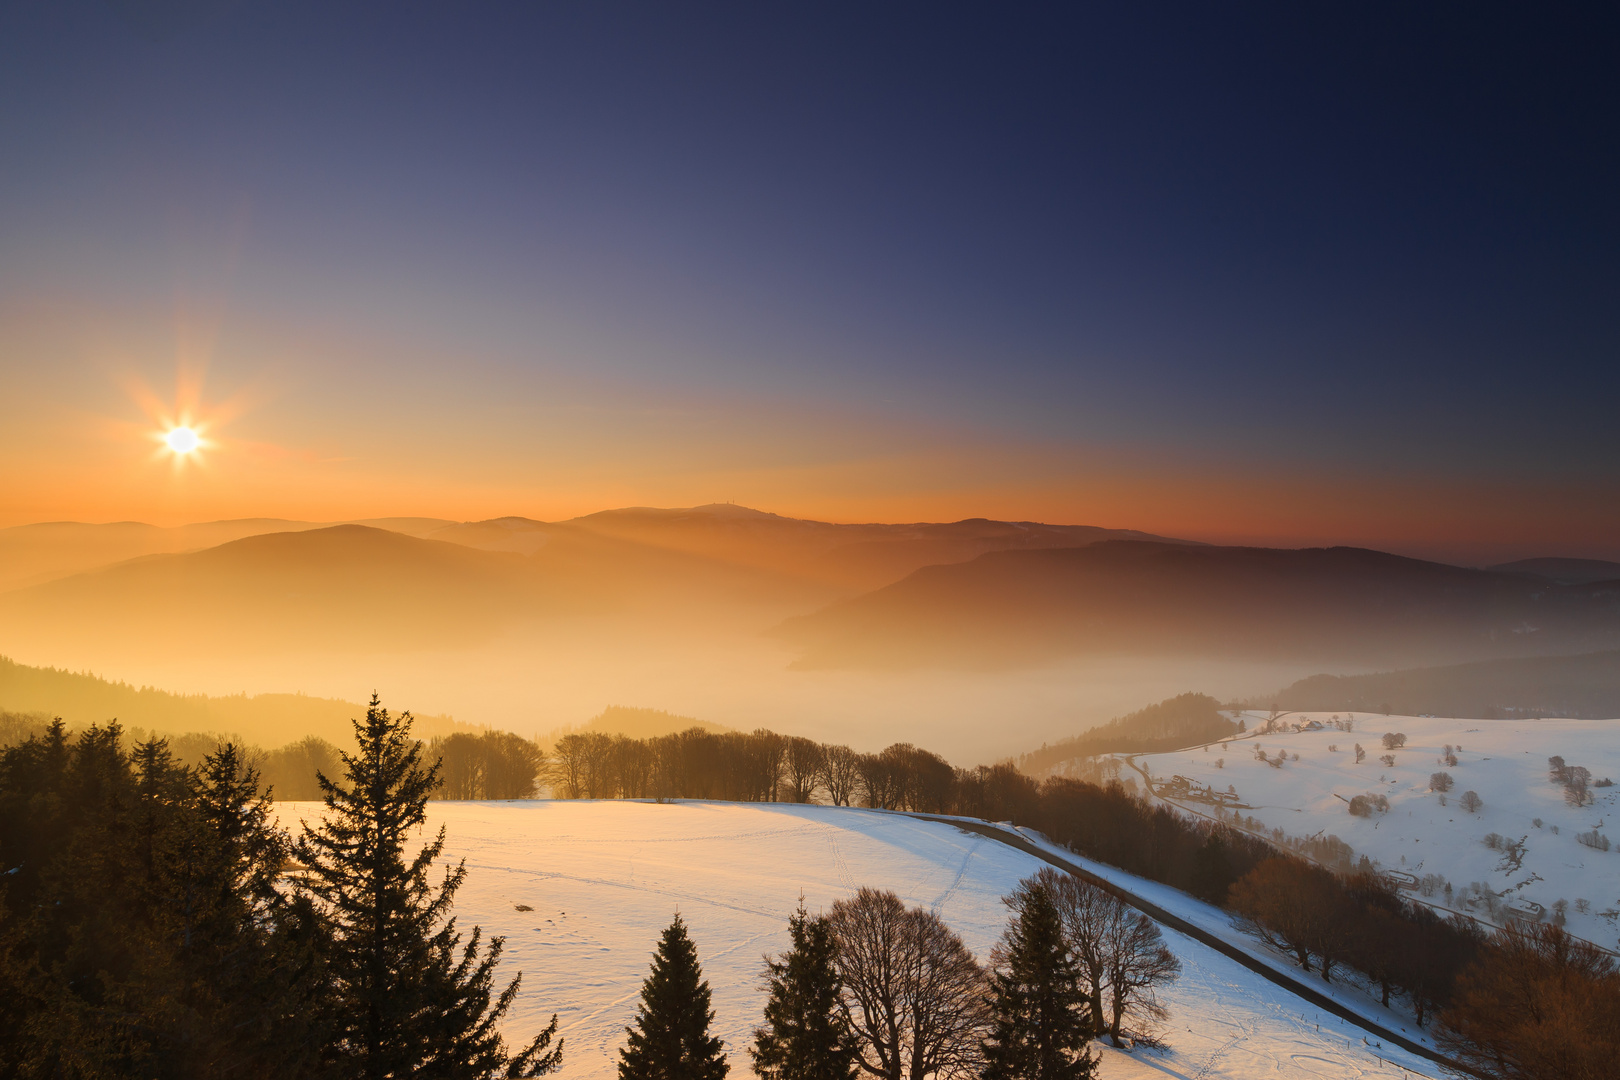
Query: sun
[[182, 440]]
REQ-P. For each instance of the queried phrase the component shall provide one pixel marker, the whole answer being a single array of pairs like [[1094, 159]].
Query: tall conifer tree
[[409, 998], [671, 1039], [1039, 1008], [805, 1036]]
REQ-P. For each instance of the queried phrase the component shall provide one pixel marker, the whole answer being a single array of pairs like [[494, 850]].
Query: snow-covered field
[[604, 878], [1503, 761]]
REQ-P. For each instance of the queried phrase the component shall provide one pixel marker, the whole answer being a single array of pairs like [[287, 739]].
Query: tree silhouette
[[1040, 1011], [671, 1039], [805, 1036], [408, 998], [913, 993]]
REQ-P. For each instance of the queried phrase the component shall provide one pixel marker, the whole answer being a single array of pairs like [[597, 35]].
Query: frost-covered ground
[[603, 879], [1504, 761]]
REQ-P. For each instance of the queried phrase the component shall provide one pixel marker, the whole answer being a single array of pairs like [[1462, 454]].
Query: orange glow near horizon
[[355, 431]]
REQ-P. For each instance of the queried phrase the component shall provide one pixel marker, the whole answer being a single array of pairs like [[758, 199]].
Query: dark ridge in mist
[[1564, 571], [1580, 687], [1015, 608], [856, 556]]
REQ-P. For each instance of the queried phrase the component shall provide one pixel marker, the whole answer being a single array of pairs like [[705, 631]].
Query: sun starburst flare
[[182, 440]]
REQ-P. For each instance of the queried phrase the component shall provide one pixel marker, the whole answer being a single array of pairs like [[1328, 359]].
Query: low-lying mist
[[540, 679], [979, 640]]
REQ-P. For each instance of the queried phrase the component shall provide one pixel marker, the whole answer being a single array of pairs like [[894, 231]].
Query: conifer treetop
[[670, 1039], [410, 998]]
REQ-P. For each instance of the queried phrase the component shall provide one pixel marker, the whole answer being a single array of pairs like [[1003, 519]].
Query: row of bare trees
[[1360, 921], [489, 765], [758, 766]]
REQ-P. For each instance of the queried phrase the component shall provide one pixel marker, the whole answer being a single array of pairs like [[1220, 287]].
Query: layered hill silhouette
[[32, 554], [854, 557], [1013, 608], [984, 594], [322, 588], [367, 589], [848, 558], [1584, 686]]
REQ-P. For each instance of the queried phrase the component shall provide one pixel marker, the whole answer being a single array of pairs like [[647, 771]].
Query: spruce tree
[[671, 1038], [1040, 1015], [805, 1036], [409, 999]]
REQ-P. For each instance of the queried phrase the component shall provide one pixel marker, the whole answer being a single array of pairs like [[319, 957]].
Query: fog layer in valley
[[976, 639]]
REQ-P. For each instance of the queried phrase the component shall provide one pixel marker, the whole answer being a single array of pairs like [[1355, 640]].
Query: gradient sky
[[1288, 274]]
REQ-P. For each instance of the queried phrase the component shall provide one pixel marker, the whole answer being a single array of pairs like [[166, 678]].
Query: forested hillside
[[1169, 725], [82, 698]]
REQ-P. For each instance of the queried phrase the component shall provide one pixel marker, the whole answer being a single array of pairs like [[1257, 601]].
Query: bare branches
[[913, 994], [1121, 953], [840, 773]]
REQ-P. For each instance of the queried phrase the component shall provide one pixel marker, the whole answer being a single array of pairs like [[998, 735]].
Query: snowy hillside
[[603, 878], [1522, 845]]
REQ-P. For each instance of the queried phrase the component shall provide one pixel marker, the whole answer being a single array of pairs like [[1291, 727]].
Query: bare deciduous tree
[[1090, 918], [912, 993], [880, 781], [767, 756], [804, 767], [1120, 952], [840, 772], [568, 766], [1576, 781], [634, 761], [1138, 963]]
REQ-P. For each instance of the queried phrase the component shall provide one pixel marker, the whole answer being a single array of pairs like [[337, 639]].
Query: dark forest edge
[[155, 922]]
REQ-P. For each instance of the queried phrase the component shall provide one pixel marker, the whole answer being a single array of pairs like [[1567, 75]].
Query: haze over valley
[[863, 633]]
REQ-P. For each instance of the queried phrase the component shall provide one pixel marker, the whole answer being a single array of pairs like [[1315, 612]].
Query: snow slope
[[1504, 761], [604, 878]]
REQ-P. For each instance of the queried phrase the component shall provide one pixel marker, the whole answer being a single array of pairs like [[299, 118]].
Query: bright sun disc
[[182, 440]]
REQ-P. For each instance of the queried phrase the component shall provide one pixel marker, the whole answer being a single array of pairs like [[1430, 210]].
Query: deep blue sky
[[1327, 256]]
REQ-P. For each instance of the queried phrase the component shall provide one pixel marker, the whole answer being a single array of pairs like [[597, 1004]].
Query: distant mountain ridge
[[33, 554], [353, 588], [848, 557], [1011, 608], [1580, 687]]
